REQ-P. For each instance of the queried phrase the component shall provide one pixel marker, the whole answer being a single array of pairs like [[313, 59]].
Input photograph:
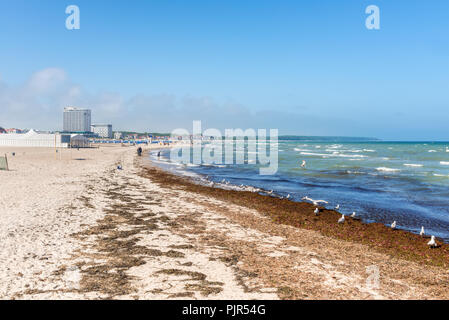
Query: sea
[[382, 181]]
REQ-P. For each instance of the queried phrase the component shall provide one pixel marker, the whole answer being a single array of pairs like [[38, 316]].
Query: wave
[[412, 165], [444, 163], [314, 154], [432, 151], [298, 149], [385, 169]]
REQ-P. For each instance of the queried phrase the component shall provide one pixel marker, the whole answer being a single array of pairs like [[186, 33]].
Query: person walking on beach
[[139, 151]]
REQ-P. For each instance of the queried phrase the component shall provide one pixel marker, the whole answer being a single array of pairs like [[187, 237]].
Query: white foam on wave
[[299, 149], [351, 155], [314, 154], [440, 175], [192, 165], [354, 172], [444, 163], [385, 169], [413, 165], [369, 150], [432, 151]]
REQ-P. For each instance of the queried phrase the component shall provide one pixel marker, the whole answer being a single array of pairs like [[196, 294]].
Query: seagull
[[432, 243], [337, 207], [422, 233], [315, 202], [303, 164], [342, 219], [316, 211], [353, 215], [288, 196], [393, 225], [270, 192]]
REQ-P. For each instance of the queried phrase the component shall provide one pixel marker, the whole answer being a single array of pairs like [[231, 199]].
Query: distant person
[[159, 154], [139, 151], [303, 164]]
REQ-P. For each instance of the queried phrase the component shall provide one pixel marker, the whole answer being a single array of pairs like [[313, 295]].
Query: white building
[[103, 130], [118, 135], [76, 120], [35, 139]]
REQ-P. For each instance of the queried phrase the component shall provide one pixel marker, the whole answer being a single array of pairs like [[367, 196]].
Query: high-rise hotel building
[[77, 120]]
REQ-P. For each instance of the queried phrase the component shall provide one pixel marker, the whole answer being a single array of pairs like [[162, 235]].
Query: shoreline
[[142, 233], [397, 242]]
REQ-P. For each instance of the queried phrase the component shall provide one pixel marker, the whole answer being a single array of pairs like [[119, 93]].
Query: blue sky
[[305, 67]]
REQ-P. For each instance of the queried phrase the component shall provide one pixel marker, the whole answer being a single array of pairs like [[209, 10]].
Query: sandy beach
[[74, 227]]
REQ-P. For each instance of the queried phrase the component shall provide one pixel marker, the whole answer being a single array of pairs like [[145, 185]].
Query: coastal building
[[102, 130], [35, 139], [76, 120], [13, 130], [2, 130]]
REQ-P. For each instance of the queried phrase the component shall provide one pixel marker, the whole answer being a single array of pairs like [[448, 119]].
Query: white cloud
[[38, 103]]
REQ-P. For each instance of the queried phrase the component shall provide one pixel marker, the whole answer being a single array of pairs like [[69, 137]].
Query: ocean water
[[407, 182]]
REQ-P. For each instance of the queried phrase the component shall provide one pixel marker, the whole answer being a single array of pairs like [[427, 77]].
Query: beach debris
[[393, 225], [316, 211], [337, 207], [119, 167], [432, 243], [315, 202], [353, 215], [342, 219], [422, 232], [303, 164]]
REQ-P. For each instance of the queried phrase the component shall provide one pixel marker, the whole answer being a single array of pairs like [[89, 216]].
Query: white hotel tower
[[77, 120]]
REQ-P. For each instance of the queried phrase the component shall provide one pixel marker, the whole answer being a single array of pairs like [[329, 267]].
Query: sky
[[303, 67]]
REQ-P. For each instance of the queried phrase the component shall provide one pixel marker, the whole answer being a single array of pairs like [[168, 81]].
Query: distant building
[[77, 120], [13, 130], [102, 130], [118, 135], [2, 130], [34, 139]]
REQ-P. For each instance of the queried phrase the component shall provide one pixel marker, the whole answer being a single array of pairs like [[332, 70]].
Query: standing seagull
[[316, 211], [422, 233], [288, 196], [353, 215], [393, 225], [303, 164], [432, 243], [337, 207], [342, 219]]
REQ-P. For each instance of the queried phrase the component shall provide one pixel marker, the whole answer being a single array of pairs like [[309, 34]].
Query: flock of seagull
[[432, 243]]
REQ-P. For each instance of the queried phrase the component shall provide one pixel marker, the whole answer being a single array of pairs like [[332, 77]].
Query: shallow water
[[407, 182]]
